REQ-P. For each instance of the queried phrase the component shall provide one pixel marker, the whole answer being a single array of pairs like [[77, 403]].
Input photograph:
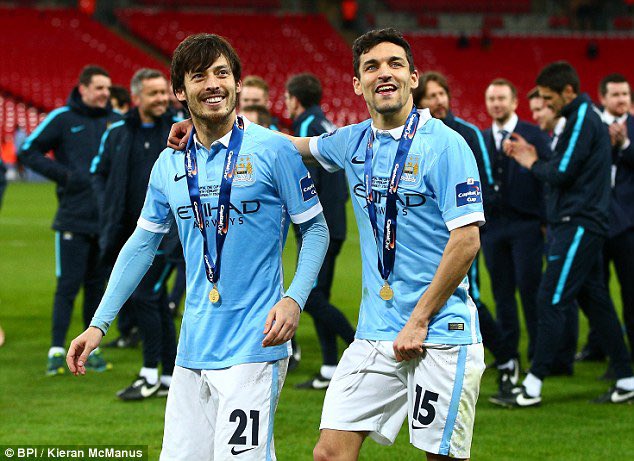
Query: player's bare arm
[[281, 322], [180, 132], [461, 249], [80, 348]]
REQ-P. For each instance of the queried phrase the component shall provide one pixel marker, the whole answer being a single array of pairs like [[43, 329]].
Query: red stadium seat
[[272, 46]]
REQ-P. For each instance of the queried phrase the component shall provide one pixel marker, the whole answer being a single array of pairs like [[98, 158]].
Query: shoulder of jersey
[[267, 139]]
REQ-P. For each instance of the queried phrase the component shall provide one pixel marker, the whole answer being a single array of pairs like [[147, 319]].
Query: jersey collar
[[396, 133], [224, 140]]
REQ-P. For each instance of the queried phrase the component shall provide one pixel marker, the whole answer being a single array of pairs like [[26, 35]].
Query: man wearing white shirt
[[615, 95], [512, 239]]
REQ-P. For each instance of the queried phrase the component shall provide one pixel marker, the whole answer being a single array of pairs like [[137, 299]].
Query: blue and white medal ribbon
[[212, 268], [386, 264]]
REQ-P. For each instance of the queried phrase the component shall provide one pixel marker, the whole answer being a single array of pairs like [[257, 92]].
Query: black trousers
[[574, 272], [329, 320], [620, 251], [77, 265], [513, 250], [491, 332], [150, 309]]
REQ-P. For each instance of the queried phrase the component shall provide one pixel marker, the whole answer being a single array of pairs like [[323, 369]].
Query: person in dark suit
[[513, 237], [616, 99], [433, 93]]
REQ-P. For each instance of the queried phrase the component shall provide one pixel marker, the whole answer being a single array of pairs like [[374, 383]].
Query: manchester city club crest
[[245, 170], [412, 169]]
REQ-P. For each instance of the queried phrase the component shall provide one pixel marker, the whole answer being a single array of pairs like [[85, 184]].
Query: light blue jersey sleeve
[[134, 260], [156, 215], [454, 179], [295, 186], [330, 149], [315, 239]]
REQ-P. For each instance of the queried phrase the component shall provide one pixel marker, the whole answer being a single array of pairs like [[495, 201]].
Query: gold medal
[[386, 293], [214, 295]]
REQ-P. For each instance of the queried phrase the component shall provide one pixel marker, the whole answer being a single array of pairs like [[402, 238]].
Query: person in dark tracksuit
[[616, 99], [578, 193], [433, 93], [302, 97], [73, 133], [121, 172]]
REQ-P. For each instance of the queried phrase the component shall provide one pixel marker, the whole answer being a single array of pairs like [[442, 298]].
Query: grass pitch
[[35, 409]]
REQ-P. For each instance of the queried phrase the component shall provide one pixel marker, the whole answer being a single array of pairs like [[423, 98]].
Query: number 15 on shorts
[[423, 412]]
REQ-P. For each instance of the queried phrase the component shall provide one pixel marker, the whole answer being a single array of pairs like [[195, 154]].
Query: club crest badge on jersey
[[245, 170], [468, 192], [307, 186], [411, 169]]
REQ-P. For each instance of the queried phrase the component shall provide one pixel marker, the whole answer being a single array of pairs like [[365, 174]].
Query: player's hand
[[80, 348], [520, 150], [179, 134], [408, 344], [281, 322]]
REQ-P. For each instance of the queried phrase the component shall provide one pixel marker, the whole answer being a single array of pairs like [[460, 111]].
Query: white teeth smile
[[385, 88], [213, 99]]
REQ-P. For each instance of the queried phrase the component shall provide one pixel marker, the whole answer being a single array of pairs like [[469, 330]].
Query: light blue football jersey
[[439, 191], [270, 185]]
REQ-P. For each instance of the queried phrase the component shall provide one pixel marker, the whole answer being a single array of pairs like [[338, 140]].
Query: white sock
[[166, 380], [150, 375], [55, 350], [328, 371], [507, 366], [533, 385], [626, 384]]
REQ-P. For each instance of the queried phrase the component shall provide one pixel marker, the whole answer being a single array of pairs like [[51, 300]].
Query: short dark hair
[[612, 78], [505, 82], [120, 94], [431, 76], [264, 116], [88, 72], [370, 39], [306, 88], [533, 94], [199, 51], [557, 75]]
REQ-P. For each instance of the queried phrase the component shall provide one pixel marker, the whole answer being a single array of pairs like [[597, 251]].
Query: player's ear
[[238, 86], [414, 79], [356, 84]]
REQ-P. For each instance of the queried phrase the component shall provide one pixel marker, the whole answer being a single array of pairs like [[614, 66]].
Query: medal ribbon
[[212, 269], [386, 264]]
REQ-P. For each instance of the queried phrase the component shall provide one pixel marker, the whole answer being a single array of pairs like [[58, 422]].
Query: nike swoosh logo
[[238, 452], [76, 129], [147, 391], [524, 402], [357, 161], [178, 178], [616, 398]]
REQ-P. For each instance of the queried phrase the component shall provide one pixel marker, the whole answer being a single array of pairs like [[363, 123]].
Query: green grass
[[35, 409]]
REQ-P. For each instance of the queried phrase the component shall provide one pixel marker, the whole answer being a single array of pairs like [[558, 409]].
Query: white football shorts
[[372, 392], [216, 415]]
